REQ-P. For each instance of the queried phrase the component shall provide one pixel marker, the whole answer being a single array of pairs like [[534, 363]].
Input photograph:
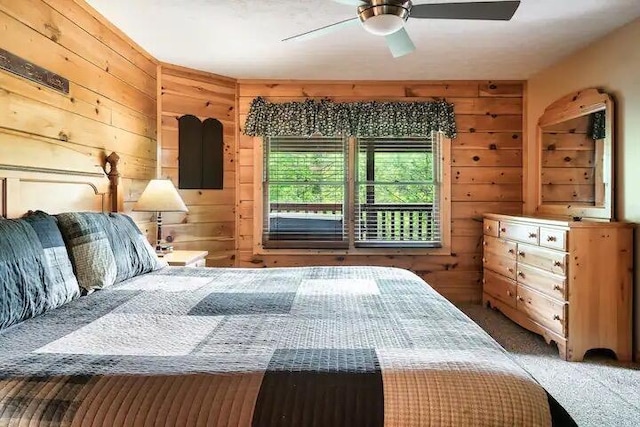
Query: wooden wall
[[112, 101], [486, 172], [210, 223]]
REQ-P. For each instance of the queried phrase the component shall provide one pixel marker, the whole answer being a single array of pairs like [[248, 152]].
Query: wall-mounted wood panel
[[111, 105], [210, 223], [200, 153], [486, 172]]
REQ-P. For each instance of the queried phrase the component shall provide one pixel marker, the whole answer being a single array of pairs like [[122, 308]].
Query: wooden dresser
[[570, 282]]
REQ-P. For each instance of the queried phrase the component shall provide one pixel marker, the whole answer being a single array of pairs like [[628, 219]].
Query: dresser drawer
[[499, 247], [500, 264], [491, 227], [546, 259], [520, 232], [553, 238], [541, 309], [550, 284], [499, 287]]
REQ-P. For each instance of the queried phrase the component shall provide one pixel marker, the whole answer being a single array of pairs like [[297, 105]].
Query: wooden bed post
[[114, 179]]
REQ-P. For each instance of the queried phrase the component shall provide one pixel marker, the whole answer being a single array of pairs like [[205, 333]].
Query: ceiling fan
[[387, 18]]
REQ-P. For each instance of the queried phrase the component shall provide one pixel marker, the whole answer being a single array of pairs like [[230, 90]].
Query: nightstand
[[186, 258]]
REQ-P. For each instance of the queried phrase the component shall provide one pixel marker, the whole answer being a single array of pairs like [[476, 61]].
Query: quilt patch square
[[338, 286], [224, 304], [325, 360], [135, 335], [177, 284], [300, 384], [168, 303]]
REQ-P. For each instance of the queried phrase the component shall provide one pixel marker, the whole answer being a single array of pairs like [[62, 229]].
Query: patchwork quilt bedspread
[[316, 346]]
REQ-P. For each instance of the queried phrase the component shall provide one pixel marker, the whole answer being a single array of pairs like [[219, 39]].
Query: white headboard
[[49, 176]]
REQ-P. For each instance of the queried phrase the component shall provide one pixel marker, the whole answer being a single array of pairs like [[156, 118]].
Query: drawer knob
[[510, 270], [509, 293], [521, 253], [532, 235], [504, 230], [511, 251], [521, 299], [489, 227], [484, 281], [484, 243], [521, 274], [484, 260], [557, 288], [556, 317], [557, 264], [551, 238]]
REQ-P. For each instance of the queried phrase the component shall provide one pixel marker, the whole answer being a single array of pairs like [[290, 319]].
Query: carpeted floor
[[597, 392]]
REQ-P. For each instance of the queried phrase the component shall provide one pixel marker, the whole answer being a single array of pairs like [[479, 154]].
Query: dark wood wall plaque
[[23, 68], [200, 153]]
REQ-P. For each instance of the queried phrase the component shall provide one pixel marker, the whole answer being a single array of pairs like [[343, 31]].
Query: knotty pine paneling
[[210, 223], [486, 172], [111, 105]]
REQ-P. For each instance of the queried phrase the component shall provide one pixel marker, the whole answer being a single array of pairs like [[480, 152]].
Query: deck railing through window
[[406, 224], [409, 224]]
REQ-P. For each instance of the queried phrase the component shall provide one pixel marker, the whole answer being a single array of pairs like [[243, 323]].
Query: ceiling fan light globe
[[383, 25]]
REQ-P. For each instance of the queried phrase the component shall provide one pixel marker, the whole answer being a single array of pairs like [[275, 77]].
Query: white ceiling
[[241, 38]]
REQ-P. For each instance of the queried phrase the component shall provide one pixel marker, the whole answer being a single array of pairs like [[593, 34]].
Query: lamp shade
[[160, 196]]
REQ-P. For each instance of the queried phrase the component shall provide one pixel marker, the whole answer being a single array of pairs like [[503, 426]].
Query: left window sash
[[305, 192]]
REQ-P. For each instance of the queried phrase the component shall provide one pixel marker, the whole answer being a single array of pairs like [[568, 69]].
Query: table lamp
[[160, 196]]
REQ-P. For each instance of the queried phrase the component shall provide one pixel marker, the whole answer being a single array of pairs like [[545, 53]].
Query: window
[[397, 193], [304, 191], [355, 194]]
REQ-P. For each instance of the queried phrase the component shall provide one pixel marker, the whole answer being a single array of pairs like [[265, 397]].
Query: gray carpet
[[596, 392]]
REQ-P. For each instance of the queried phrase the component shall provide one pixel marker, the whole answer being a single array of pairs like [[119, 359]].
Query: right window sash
[[398, 187]]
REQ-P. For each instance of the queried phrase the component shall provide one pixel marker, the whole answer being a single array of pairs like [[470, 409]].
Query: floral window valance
[[358, 119]]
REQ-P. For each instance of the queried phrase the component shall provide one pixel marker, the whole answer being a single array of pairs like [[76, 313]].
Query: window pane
[[397, 193], [304, 188]]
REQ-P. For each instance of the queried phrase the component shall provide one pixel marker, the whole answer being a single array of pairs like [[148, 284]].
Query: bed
[[308, 346]]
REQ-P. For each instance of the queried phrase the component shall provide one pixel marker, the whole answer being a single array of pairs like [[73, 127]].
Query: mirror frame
[[567, 108]]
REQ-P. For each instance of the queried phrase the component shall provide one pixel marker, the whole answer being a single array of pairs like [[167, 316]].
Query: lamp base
[[163, 248]]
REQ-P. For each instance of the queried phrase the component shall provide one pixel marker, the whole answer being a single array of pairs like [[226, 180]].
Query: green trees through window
[[395, 191]]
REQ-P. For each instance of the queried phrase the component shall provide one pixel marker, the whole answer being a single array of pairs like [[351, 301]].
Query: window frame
[[367, 149], [445, 208], [319, 243]]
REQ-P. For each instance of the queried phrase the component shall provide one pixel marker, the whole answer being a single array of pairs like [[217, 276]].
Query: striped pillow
[[35, 270], [23, 274], [106, 248], [64, 285]]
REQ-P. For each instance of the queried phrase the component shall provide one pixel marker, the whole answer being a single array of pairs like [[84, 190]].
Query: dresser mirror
[[575, 163]]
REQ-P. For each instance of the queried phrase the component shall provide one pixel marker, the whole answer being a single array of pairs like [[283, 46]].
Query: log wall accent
[[210, 223], [111, 105], [486, 172]]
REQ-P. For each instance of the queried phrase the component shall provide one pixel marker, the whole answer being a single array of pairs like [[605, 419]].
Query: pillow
[[23, 273], [64, 285], [106, 248]]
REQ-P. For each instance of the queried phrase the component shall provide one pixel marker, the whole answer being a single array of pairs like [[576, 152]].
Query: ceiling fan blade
[[350, 2], [400, 43], [324, 30], [486, 10]]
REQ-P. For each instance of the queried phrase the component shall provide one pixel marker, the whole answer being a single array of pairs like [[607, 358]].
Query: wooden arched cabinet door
[[200, 153]]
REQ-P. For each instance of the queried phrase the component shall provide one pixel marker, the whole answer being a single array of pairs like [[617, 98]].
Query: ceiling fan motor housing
[[384, 17]]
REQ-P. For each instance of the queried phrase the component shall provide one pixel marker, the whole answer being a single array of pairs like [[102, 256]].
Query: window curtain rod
[[370, 119]]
